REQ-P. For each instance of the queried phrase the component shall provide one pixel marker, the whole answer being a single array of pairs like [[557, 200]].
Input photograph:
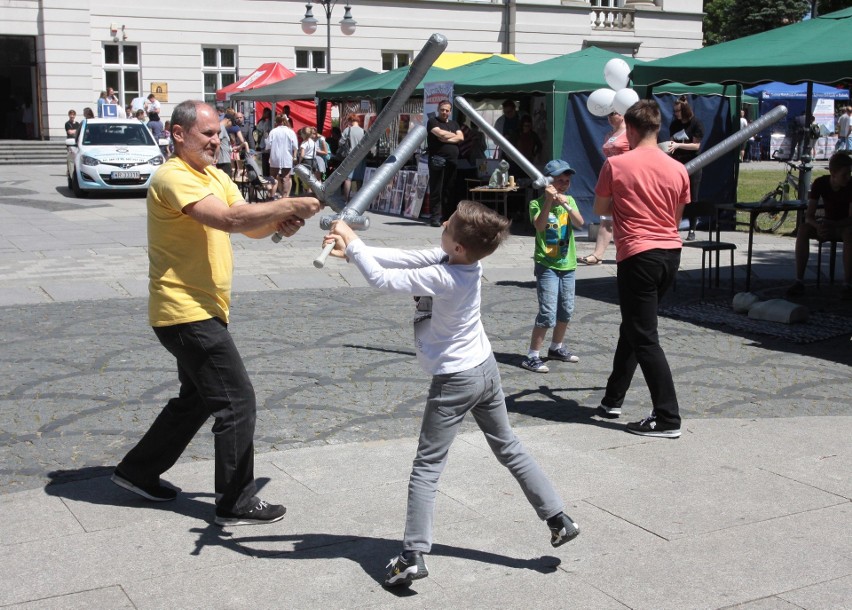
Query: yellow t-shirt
[[190, 264]]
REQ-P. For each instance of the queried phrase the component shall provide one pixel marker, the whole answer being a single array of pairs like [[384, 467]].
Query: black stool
[[831, 261], [707, 249]]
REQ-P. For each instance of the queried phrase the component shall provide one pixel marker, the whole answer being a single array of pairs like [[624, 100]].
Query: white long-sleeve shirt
[[451, 339]]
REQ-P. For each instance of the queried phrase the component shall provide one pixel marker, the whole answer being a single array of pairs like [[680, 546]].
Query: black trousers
[[643, 279], [213, 381], [442, 186]]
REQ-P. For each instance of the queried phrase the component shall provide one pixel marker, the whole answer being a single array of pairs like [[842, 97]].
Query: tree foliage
[[731, 19]]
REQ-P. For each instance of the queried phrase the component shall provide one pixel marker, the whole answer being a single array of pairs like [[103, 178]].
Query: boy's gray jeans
[[450, 398]]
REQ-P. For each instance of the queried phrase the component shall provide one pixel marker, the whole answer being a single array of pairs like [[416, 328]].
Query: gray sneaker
[[536, 365], [562, 355]]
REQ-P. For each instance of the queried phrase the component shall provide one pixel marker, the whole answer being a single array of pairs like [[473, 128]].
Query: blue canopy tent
[[774, 94]]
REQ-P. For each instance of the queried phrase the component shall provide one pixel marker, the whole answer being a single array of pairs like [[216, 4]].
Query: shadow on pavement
[[372, 554], [91, 485]]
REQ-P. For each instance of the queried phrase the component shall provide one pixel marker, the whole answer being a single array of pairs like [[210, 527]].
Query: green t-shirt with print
[[554, 247]]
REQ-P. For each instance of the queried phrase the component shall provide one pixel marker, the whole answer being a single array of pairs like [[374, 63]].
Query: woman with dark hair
[[156, 126], [686, 133]]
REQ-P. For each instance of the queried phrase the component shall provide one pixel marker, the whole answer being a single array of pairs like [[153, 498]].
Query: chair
[[710, 246], [832, 260], [707, 249]]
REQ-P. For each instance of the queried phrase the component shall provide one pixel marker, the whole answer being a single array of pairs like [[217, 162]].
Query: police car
[[112, 155]]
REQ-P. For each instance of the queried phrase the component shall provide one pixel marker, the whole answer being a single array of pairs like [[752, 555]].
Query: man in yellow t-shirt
[[192, 209]]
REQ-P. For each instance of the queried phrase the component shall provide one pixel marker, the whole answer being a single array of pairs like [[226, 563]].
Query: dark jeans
[[442, 184], [694, 185], [643, 279], [213, 381]]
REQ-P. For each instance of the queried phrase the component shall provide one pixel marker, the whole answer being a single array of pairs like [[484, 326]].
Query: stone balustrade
[[616, 19]]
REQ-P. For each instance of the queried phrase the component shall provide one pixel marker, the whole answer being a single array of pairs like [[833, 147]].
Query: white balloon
[[624, 99], [600, 102], [616, 73]]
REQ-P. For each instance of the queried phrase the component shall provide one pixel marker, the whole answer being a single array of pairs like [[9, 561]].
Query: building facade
[[57, 55]]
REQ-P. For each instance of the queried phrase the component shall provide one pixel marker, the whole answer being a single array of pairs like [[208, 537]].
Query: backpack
[[343, 148]]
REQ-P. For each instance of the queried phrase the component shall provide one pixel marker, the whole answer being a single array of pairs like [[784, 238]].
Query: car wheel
[[75, 186]]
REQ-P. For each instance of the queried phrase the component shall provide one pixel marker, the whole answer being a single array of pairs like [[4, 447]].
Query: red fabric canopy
[[302, 112], [266, 74]]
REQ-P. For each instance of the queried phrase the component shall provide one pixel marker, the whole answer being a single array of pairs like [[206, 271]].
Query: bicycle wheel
[[769, 222]]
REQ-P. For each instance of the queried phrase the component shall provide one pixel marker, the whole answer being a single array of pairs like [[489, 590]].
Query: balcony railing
[[615, 19]]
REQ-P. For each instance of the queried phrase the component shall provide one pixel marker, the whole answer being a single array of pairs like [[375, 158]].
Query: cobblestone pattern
[[82, 381]]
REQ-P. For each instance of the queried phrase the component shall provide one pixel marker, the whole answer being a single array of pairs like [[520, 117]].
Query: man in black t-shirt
[[834, 223], [442, 139], [72, 126]]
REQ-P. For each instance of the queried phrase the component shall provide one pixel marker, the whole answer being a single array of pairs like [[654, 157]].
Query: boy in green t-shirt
[[555, 262]]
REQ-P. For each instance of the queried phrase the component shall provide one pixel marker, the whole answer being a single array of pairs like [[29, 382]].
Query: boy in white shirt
[[452, 346]]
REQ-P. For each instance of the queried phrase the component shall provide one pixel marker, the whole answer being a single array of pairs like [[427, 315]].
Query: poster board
[[403, 195]]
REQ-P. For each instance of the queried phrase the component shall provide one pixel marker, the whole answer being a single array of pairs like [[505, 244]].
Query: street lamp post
[[309, 25]]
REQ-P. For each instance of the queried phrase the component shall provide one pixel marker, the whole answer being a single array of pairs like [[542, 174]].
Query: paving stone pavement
[[751, 507], [331, 359]]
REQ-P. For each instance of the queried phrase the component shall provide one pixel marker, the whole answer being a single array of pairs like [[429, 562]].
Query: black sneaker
[[405, 568], [651, 427], [611, 412], [562, 355], [690, 236], [562, 529], [257, 515], [155, 493]]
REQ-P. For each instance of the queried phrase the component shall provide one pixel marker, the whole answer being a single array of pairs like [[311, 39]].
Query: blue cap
[[557, 167]]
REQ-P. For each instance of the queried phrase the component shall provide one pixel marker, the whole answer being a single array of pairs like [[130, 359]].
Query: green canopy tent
[[383, 85], [554, 78], [379, 86], [304, 87], [814, 50]]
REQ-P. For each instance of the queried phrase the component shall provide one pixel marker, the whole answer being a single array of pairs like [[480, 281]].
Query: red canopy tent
[[302, 112]]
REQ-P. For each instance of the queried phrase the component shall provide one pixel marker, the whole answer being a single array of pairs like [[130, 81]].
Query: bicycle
[[771, 222]]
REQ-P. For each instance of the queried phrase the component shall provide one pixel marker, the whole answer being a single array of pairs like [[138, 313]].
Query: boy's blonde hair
[[479, 229]]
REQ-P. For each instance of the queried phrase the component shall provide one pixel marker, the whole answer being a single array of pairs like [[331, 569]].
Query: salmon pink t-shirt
[[648, 189]]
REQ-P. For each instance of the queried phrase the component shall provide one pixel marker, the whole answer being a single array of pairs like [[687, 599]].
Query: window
[[310, 59], [219, 66], [121, 70], [391, 60], [606, 3]]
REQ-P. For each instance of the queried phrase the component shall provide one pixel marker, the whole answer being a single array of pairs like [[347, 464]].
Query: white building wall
[[171, 33]]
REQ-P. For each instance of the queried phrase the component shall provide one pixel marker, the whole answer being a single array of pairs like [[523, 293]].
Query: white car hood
[[121, 154]]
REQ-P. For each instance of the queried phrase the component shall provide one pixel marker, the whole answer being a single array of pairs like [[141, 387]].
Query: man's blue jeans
[[213, 381], [643, 279]]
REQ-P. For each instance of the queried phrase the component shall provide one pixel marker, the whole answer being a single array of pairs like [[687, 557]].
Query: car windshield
[[114, 134]]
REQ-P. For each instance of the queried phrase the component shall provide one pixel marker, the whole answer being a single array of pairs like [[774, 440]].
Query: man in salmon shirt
[[644, 191]]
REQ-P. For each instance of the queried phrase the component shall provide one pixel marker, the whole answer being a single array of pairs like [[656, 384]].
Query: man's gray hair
[[185, 114]]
